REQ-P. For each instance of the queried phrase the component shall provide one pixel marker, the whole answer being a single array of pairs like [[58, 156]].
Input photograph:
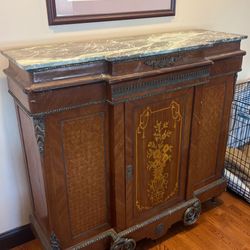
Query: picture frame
[[83, 11]]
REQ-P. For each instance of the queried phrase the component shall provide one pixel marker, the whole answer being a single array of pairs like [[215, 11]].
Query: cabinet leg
[[123, 244], [192, 214]]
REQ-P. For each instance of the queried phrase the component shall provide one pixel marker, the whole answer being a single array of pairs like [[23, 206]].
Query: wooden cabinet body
[[122, 150]]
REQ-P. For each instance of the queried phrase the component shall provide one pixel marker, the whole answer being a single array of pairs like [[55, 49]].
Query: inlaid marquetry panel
[[156, 148], [158, 138], [83, 144]]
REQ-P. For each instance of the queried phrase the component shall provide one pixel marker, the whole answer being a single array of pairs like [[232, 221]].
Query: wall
[[25, 22]]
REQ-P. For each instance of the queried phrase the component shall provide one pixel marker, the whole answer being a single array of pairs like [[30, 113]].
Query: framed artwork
[[80, 11]]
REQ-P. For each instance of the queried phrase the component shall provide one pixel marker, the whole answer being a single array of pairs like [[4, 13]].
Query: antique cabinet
[[123, 137]]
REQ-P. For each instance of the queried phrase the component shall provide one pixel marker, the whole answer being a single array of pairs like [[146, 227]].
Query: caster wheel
[[123, 244], [192, 214]]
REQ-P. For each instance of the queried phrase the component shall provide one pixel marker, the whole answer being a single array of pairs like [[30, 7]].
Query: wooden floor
[[222, 225]]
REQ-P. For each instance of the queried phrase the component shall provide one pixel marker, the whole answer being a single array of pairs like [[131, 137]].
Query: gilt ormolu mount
[[123, 137]]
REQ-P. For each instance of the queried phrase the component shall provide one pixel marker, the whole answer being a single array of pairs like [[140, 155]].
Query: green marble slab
[[125, 48]]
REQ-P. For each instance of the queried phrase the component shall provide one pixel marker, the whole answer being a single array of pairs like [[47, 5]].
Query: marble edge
[[67, 62], [188, 48], [2, 52]]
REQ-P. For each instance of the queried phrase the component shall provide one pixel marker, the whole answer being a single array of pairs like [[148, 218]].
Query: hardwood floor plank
[[32, 245]]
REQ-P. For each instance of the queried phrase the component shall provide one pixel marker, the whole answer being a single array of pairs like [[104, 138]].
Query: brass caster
[[123, 244], [192, 214], [54, 242]]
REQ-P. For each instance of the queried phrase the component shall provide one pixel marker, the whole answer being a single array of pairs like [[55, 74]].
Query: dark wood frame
[[55, 20]]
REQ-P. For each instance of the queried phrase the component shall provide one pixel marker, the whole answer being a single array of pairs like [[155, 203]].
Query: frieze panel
[[142, 85]]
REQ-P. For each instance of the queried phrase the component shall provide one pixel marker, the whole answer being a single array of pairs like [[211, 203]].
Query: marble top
[[125, 48]]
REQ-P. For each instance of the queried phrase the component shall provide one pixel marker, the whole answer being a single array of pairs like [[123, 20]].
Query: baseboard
[[15, 237]]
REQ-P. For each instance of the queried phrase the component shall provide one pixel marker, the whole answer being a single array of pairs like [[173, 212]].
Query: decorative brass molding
[[112, 233], [159, 152], [55, 244], [39, 127], [142, 85], [123, 244], [164, 62], [42, 114], [192, 214]]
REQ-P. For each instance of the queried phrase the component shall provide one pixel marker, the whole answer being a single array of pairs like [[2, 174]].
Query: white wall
[[25, 22]]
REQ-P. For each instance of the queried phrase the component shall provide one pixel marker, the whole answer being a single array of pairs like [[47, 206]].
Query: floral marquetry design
[[158, 154], [156, 136]]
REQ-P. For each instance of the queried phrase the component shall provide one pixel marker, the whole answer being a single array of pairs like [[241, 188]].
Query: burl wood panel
[[209, 131], [157, 146]]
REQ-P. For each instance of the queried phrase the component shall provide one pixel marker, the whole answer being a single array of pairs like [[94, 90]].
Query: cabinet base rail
[[120, 241]]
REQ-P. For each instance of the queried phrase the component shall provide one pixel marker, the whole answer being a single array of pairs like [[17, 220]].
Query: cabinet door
[[211, 113], [157, 141], [77, 162]]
